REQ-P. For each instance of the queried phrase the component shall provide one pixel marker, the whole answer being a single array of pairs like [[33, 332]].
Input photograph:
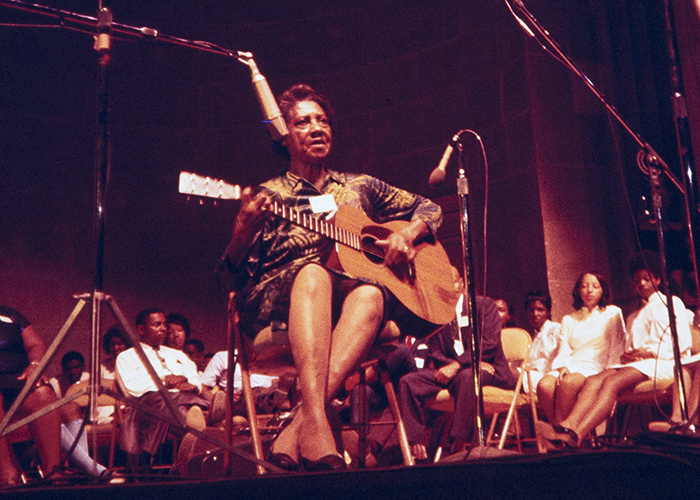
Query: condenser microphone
[[438, 175], [271, 112]]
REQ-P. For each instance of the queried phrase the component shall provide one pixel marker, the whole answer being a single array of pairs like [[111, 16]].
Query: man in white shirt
[[263, 386], [140, 431]]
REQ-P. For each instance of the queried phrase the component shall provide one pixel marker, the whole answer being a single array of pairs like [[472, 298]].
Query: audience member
[[648, 355], [592, 339], [141, 431], [453, 371], [216, 375], [547, 337], [194, 348], [505, 312], [178, 330], [73, 434], [115, 340], [21, 350]]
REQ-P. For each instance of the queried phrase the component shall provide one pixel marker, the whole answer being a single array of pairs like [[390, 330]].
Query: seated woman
[[648, 354], [593, 338], [332, 318], [505, 312], [21, 349], [547, 336], [115, 340]]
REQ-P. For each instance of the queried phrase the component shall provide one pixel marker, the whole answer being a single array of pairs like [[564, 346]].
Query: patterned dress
[[280, 249]]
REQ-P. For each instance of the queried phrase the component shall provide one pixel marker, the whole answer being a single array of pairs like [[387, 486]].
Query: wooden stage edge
[[658, 468]]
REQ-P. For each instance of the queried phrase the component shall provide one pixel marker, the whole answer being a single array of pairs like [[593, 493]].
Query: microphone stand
[[651, 164], [104, 27], [469, 293]]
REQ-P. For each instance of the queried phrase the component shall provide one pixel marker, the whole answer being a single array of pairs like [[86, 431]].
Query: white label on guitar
[[323, 203], [459, 348]]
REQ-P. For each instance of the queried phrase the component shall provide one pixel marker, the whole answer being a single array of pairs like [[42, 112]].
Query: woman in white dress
[[592, 339]]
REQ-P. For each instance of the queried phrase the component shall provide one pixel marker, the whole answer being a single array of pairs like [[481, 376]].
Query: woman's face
[[503, 313], [116, 345], [176, 336], [645, 283], [310, 137], [537, 314], [590, 291]]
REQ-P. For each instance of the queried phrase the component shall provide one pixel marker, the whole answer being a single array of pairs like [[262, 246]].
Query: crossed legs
[[597, 399], [558, 395], [323, 355]]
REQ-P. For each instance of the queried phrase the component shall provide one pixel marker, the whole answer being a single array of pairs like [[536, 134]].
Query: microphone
[[271, 112], [438, 175]]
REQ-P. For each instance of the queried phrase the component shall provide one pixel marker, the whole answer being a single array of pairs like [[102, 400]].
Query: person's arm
[[248, 222], [35, 348], [563, 357], [391, 203], [132, 375]]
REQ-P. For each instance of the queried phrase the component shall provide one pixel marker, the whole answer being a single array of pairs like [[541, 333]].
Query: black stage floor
[[658, 467]]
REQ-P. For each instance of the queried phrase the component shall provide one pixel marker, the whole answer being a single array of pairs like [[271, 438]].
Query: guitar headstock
[[197, 185]]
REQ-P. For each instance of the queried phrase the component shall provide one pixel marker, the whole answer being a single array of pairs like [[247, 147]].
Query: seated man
[[21, 349], [140, 431], [454, 372], [264, 387], [72, 415]]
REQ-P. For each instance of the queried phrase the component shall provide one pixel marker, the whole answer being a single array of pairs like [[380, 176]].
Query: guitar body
[[425, 288]]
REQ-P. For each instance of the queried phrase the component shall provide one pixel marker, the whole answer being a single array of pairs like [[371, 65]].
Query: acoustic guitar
[[424, 286]]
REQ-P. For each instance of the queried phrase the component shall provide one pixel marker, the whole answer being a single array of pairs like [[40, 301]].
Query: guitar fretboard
[[308, 221]]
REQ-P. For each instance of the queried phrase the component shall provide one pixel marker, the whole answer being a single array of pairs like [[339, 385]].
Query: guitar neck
[[318, 226]]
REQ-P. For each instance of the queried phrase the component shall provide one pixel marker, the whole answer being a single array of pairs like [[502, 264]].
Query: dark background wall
[[404, 76]]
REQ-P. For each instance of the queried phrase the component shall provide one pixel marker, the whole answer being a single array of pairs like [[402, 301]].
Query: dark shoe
[[565, 430], [329, 463], [554, 440], [283, 461]]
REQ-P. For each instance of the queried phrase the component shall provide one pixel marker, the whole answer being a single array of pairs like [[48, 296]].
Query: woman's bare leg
[[46, 429], [546, 390], [600, 406], [587, 397], [324, 358], [567, 393], [8, 472]]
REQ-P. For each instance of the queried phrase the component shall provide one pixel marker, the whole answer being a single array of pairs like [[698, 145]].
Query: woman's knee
[[40, 397], [546, 386], [572, 382], [371, 299], [313, 280]]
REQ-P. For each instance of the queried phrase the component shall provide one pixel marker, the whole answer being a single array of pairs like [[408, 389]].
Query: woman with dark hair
[[114, 341], [178, 331], [505, 312], [280, 269], [593, 338], [546, 337]]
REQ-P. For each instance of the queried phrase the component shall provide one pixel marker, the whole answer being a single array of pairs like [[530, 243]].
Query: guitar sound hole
[[373, 252]]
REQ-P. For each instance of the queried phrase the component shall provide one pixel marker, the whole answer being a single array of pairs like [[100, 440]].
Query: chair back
[[516, 344]]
